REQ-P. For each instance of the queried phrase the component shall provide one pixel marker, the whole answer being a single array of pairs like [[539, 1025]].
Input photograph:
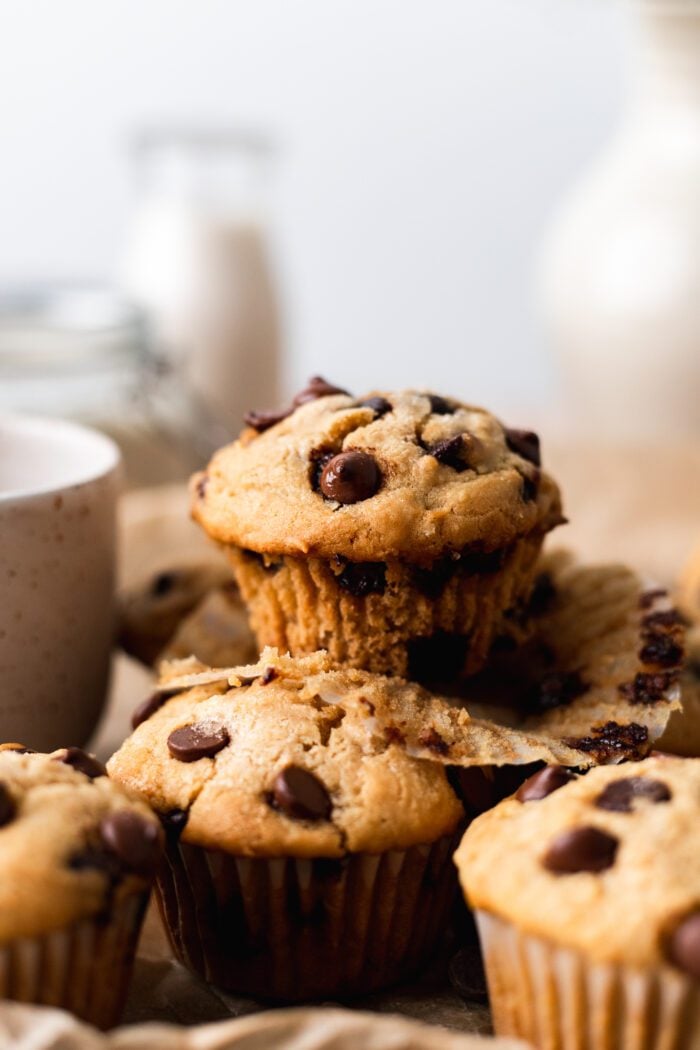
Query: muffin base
[[390, 617], [84, 968], [289, 929], [555, 999]]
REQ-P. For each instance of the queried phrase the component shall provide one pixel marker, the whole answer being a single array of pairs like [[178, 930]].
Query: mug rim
[[105, 457]]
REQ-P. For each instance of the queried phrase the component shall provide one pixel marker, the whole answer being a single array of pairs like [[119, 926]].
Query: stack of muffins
[[310, 803]]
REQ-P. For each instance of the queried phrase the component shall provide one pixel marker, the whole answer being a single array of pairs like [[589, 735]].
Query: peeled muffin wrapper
[[591, 632], [312, 1029]]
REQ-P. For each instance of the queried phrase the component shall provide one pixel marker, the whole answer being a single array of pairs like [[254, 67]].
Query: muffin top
[[281, 759], [406, 475], [71, 841], [606, 863]]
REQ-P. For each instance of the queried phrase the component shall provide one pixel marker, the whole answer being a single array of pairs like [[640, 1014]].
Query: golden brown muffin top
[[606, 863], [71, 841], [284, 762], [407, 475]]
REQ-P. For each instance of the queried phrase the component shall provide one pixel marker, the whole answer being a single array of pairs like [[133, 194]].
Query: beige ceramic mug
[[58, 489]]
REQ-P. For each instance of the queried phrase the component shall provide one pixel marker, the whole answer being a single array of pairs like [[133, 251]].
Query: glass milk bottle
[[620, 270], [198, 262]]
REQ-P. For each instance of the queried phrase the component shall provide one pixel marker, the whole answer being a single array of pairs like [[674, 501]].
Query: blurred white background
[[424, 144]]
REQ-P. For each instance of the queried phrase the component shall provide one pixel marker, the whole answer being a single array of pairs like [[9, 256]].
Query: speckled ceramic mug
[[58, 489]]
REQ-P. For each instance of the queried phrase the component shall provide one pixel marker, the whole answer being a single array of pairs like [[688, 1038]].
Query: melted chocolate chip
[[619, 795], [350, 477], [174, 822], [663, 618], [580, 849], [452, 452], [440, 406], [316, 387], [524, 443], [379, 405], [466, 974], [662, 650], [133, 840], [393, 735], [557, 689], [190, 743], [612, 739], [530, 487], [647, 688], [684, 945], [163, 583], [8, 807], [361, 578], [148, 707], [268, 675], [261, 420], [300, 795], [201, 486], [543, 783], [82, 762], [431, 739]]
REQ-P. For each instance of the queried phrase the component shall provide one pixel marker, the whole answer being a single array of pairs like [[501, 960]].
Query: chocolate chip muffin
[[78, 855], [587, 896], [392, 530], [307, 855]]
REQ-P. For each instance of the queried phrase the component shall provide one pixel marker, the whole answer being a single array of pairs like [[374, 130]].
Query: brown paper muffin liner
[[388, 617], [555, 999], [84, 968], [290, 929]]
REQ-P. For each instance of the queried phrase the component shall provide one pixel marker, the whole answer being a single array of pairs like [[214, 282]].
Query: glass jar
[[198, 263], [82, 354]]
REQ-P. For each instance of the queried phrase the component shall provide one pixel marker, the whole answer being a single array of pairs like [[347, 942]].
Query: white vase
[[619, 276]]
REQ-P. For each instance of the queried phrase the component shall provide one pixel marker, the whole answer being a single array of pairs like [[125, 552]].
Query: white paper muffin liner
[[556, 999], [291, 929], [84, 968]]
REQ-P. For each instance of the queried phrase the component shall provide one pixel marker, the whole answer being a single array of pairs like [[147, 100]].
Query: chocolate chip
[[379, 405], [647, 688], [662, 650], [524, 443], [543, 783], [466, 974], [82, 762], [530, 487], [558, 688], [581, 849], [350, 477], [361, 578], [190, 743], [261, 420], [268, 675], [148, 707], [201, 486], [8, 807], [316, 387], [684, 945], [612, 740], [620, 795], [135, 841], [439, 406], [301, 795], [163, 583], [431, 739], [174, 822], [663, 618], [452, 452]]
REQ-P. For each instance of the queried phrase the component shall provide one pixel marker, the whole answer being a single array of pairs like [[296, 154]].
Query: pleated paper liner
[[556, 999], [85, 967], [378, 616], [291, 929]]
